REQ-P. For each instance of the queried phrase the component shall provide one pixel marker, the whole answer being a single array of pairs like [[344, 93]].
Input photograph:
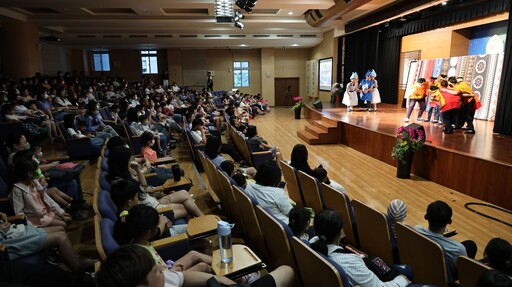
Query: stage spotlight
[[247, 5], [238, 15], [239, 25]]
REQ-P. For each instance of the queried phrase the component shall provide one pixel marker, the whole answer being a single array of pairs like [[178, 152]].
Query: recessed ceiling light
[[444, 3], [290, 13], [243, 45], [294, 45]]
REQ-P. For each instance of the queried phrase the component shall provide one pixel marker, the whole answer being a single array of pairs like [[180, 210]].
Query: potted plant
[[298, 106], [408, 140]]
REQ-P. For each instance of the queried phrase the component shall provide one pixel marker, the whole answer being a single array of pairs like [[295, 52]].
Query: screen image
[[325, 74]]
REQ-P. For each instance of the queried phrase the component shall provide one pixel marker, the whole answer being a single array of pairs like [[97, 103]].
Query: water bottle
[[225, 243]]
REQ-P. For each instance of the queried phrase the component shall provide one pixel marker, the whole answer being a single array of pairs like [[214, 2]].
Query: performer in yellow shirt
[[470, 103]]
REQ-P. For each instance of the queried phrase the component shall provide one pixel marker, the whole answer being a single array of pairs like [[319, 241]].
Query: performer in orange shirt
[[450, 108]]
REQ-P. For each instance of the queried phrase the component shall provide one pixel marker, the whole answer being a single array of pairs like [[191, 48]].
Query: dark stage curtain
[[387, 68], [503, 119], [360, 53], [451, 17]]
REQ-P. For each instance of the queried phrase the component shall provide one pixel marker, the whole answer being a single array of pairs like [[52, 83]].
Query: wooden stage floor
[[483, 145]]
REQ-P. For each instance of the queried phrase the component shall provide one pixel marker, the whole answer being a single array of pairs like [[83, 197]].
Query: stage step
[[308, 137], [323, 131], [324, 125]]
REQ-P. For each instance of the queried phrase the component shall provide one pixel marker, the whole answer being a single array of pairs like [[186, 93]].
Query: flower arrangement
[[407, 140], [299, 103]]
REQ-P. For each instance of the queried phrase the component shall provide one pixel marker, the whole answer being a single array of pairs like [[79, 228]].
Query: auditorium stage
[[478, 164]]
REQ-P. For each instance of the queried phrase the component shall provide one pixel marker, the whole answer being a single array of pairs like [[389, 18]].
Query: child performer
[[470, 103], [375, 93], [366, 87], [435, 104], [417, 96], [350, 96]]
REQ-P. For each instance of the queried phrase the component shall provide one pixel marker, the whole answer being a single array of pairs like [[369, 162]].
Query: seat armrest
[[166, 209], [16, 218], [171, 240]]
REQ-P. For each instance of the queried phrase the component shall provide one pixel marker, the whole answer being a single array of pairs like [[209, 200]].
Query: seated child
[[321, 175], [97, 139], [140, 224], [300, 219], [28, 197]]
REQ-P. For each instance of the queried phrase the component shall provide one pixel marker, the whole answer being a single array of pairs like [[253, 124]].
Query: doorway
[[285, 90]]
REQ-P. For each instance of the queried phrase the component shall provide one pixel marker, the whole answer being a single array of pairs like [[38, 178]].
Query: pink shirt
[[149, 153]]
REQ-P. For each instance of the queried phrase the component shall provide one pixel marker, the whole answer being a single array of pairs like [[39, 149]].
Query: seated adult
[[133, 266], [439, 215], [329, 231], [266, 192]]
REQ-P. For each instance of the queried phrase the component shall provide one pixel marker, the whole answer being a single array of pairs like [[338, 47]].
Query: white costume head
[[354, 76], [373, 74]]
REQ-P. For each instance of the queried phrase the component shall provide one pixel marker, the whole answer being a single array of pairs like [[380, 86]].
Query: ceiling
[[176, 23]]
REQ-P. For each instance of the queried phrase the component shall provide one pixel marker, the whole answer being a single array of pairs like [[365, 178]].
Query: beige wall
[[20, 52], [291, 63], [442, 43], [328, 48], [268, 71], [54, 59]]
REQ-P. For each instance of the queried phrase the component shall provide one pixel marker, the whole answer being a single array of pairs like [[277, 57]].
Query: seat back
[[338, 200], [278, 241], [372, 228], [106, 206], [104, 164], [229, 204], [314, 269], [133, 140], [469, 271], [104, 184], [424, 255], [247, 211], [104, 236], [211, 173], [292, 183], [311, 191]]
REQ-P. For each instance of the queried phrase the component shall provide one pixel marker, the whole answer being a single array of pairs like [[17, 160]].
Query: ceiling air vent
[[261, 36], [212, 36], [163, 36], [308, 36], [284, 36], [138, 36], [111, 36], [86, 36], [237, 36], [188, 36]]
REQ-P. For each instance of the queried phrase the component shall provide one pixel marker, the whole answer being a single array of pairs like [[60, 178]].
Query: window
[[101, 60], [149, 61], [241, 74]]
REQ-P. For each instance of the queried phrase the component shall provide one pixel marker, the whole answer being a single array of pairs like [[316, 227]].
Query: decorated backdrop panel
[[483, 72]]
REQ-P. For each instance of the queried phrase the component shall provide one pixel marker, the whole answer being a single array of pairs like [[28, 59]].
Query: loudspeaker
[[318, 105], [416, 126]]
